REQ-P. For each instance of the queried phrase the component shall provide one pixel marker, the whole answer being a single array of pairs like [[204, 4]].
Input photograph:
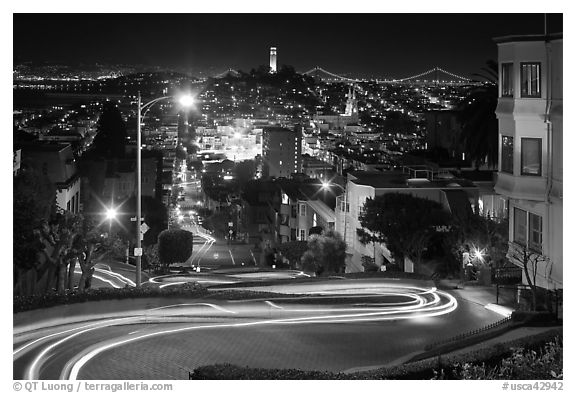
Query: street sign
[[230, 231], [137, 252], [230, 224], [144, 228]]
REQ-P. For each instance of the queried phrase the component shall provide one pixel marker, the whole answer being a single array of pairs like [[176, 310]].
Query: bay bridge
[[435, 75]]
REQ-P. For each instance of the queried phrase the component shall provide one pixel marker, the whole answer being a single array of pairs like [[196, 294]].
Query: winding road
[[336, 325]]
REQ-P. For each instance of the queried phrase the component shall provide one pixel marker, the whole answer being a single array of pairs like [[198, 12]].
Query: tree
[[110, 141], [87, 246], [476, 232], [317, 230], [34, 200], [325, 254], [218, 222], [244, 171], [403, 222], [174, 246], [151, 257], [530, 261], [293, 251], [477, 114]]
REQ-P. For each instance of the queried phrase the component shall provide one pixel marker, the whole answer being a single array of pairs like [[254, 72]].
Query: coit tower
[[273, 59]]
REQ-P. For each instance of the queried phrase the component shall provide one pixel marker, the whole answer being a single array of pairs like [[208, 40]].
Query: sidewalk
[[482, 294], [486, 296]]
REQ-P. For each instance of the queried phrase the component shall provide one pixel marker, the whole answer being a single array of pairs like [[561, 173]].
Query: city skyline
[[359, 45]]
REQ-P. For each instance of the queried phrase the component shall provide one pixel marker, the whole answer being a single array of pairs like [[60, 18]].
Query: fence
[[469, 334]]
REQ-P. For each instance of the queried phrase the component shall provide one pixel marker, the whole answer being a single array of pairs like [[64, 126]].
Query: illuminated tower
[[273, 59], [351, 103]]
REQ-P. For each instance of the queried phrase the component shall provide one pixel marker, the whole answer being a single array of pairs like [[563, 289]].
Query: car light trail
[[349, 302]]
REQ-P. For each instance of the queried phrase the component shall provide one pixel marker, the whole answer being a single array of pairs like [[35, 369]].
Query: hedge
[[27, 303], [424, 369], [189, 290]]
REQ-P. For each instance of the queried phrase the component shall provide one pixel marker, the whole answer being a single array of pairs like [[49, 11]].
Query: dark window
[[530, 79], [294, 211], [519, 226], [507, 154], [507, 80], [531, 158], [535, 239]]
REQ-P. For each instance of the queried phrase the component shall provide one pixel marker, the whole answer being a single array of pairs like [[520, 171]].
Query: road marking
[[232, 256]]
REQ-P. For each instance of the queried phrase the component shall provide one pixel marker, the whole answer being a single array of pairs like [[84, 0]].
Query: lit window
[[531, 158], [507, 161], [507, 81], [530, 79]]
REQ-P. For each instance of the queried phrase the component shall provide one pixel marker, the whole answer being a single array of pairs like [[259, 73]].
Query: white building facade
[[530, 131]]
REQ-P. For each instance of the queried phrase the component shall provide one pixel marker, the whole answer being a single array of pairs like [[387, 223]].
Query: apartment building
[[530, 170]]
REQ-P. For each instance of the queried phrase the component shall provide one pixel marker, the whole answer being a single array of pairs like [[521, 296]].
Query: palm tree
[[477, 114]]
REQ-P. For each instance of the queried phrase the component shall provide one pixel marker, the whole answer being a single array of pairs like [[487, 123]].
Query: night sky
[[361, 45]]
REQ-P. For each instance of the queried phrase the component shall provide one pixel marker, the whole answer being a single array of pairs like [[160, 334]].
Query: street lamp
[[110, 215], [185, 101]]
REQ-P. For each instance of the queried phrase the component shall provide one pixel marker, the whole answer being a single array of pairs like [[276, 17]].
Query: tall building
[[273, 59], [530, 169], [281, 151]]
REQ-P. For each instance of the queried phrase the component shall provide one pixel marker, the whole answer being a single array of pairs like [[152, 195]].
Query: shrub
[[174, 246], [526, 364], [533, 318], [369, 264]]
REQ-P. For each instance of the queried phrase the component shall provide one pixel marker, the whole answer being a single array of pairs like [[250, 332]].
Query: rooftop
[[397, 179], [525, 38], [42, 146]]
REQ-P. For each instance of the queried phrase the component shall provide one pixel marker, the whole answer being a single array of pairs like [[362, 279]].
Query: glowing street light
[[111, 213], [186, 101], [479, 254]]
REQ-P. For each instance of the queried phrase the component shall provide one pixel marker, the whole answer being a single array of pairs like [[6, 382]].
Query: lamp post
[[185, 101]]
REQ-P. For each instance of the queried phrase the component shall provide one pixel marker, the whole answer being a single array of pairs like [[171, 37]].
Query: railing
[[507, 275], [424, 172], [472, 333]]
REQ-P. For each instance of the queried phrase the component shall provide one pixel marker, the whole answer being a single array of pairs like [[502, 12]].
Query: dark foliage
[[404, 222], [477, 113], [174, 246], [111, 140]]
